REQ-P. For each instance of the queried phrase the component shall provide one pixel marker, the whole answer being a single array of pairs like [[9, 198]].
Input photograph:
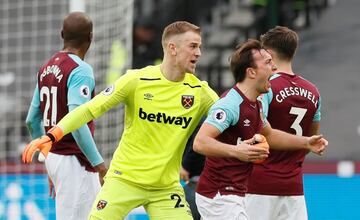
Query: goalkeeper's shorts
[[118, 197]]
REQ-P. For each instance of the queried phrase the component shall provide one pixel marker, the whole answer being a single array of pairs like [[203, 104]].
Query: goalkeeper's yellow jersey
[[160, 115]]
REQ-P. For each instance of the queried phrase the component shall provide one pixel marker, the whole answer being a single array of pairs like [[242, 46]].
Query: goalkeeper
[[163, 105], [64, 82], [227, 135]]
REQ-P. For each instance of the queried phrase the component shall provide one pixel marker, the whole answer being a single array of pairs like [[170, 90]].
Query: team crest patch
[[101, 204], [187, 101]]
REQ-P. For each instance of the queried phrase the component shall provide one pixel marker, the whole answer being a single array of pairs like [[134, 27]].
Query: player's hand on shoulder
[[317, 144]]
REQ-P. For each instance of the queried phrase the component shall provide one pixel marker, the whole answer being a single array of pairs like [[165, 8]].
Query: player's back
[[53, 82], [292, 106]]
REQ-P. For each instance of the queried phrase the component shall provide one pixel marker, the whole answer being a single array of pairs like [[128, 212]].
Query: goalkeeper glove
[[260, 141], [42, 144]]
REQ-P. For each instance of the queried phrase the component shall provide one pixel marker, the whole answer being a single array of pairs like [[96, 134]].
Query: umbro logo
[[148, 96], [246, 123]]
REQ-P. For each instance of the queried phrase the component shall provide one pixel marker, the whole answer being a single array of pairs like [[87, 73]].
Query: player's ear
[[250, 72], [172, 48]]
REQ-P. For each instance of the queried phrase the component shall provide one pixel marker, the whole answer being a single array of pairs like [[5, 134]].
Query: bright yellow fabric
[[162, 204], [157, 125]]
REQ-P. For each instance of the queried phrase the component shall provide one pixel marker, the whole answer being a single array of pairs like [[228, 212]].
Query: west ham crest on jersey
[[187, 101], [101, 204]]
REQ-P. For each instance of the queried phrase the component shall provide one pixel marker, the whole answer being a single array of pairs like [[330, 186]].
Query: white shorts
[[75, 187], [229, 207], [265, 207]]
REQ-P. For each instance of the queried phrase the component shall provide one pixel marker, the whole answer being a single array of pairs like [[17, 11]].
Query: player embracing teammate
[[292, 105]]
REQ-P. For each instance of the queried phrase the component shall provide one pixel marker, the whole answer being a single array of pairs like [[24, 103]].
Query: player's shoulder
[[83, 67], [307, 81], [134, 76], [275, 76], [230, 98], [148, 72], [308, 84], [194, 82]]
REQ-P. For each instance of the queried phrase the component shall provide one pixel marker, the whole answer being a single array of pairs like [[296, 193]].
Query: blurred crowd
[[150, 17]]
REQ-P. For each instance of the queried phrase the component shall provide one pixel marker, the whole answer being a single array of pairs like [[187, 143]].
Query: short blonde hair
[[178, 27]]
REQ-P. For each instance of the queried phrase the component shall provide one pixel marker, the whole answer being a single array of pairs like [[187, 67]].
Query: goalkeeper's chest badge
[[101, 204], [187, 101]]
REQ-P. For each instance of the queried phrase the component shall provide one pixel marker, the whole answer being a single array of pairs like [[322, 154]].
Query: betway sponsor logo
[[161, 117]]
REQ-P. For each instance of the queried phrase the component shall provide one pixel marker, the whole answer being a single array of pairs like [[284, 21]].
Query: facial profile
[[186, 51], [181, 42], [264, 69]]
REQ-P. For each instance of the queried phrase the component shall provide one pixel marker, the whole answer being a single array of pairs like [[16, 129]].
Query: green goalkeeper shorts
[[118, 197]]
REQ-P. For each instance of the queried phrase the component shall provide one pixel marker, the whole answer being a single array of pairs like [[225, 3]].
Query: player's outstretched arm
[[280, 140]]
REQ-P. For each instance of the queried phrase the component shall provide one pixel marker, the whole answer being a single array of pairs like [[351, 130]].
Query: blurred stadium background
[[127, 34]]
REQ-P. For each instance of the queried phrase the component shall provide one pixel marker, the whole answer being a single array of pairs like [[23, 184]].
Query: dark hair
[[243, 58], [178, 27], [77, 28], [282, 40]]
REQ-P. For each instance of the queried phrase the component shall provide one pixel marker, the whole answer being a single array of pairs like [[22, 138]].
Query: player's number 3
[[300, 113]]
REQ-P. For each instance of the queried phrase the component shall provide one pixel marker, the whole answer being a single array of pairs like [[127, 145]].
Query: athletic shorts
[[118, 197], [75, 187], [265, 207], [229, 207]]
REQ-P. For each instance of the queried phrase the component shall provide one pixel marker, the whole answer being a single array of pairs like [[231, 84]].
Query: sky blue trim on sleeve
[[81, 82], [317, 116], [276, 75], [86, 143], [265, 101], [225, 112], [34, 116]]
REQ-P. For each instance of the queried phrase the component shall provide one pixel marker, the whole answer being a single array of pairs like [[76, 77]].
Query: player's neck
[[284, 67], [77, 49], [78, 52], [170, 72], [248, 90]]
